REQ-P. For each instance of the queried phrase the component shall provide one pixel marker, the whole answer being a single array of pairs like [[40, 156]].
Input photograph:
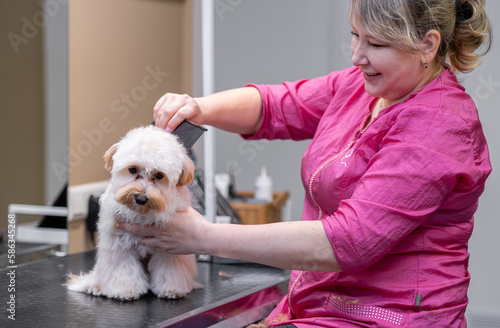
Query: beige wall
[[21, 106], [123, 56]]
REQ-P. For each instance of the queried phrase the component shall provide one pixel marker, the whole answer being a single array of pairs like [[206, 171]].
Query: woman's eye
[[159, 176], [132, 170], [375, 45]]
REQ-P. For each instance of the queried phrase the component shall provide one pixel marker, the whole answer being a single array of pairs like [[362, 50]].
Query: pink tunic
[[396, 200]]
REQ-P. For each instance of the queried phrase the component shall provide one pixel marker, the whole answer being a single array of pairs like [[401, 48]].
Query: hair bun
[[464, 10]]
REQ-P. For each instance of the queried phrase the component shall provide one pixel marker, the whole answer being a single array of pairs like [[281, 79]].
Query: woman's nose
[[358, 55]]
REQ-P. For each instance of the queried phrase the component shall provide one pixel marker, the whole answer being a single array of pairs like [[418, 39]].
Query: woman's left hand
[[181, 235], [297, 245]]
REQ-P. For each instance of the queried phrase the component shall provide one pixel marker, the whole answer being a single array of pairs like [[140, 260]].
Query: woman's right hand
[[171, 109], [236, 110]]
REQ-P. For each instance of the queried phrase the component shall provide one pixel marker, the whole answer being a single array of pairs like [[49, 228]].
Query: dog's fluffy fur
[[150, 171]]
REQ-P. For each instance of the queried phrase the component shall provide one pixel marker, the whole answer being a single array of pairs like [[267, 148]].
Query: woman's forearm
[[236, 110], [297, 245]]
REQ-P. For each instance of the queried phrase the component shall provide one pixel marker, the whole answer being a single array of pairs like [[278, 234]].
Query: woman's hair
[[463, 25]]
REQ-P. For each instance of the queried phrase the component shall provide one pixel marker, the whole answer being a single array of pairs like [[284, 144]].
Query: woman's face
[[390, 73]]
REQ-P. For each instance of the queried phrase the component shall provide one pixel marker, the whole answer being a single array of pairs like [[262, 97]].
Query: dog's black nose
[[141, 199]]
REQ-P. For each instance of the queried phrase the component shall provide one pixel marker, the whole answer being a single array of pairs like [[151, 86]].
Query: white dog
[[150, 171]]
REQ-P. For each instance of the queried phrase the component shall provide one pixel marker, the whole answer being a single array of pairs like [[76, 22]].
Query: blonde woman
[[393, 173]]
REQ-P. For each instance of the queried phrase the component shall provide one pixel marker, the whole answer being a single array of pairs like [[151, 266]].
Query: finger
[[158, 105], [147, 241], [164, 99], [169, 109], [164, 109], [138, 230], [155, 244], [162, 119], [182, 114]]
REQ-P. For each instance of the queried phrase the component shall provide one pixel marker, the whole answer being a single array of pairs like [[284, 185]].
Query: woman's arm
[[297, 245], [237, 110]]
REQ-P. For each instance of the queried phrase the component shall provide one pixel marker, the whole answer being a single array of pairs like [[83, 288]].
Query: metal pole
[[207, 35]]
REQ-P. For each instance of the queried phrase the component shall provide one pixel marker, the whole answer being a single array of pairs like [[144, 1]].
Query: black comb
[[188, 133]]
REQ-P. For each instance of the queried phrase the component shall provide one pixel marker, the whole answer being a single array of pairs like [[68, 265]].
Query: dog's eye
[[159, 176], [132, 170]]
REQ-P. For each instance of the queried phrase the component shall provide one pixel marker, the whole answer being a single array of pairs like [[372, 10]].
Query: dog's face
[[146, 167]]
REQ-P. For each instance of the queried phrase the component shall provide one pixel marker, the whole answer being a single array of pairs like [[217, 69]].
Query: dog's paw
[[118, 290], [125, 295], [173, 292], [83, 283], [125, 289], [173, 276]]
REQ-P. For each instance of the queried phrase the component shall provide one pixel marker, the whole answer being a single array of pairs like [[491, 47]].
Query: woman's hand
[[236, 110], [181, 235], [297, 245], [171, 109]]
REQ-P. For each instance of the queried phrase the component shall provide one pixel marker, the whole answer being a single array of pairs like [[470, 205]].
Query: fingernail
[[167, 129], [116, 225]]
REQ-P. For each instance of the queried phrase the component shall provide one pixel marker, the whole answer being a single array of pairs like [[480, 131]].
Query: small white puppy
[[150, 171]]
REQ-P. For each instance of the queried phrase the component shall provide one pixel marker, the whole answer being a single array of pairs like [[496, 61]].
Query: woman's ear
[[108, 157], [432, 42], [187, 174]]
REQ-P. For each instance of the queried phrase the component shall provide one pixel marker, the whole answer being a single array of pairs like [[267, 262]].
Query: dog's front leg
[[173, 276], [120, 274]]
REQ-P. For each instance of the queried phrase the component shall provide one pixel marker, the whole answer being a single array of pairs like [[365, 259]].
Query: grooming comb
[[188, 133]]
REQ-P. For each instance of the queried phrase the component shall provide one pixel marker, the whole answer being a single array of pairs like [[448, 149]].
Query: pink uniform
[[396, 200]]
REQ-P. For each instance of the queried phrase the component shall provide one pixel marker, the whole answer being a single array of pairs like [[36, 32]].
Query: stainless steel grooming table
[[242, 294]]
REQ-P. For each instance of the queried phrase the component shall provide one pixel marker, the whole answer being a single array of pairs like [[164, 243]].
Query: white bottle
[[222, 181], [264, 186]]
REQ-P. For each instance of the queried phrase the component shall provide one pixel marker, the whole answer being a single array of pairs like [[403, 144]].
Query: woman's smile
[[371, 76]]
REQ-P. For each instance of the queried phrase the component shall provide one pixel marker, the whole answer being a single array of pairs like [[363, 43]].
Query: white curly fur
[[152, 164]]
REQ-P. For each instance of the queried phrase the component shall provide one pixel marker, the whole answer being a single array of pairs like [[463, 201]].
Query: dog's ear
[[108, 157], [187, 174]]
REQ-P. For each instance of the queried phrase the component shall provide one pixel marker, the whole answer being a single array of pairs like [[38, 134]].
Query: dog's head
[[146, 167]]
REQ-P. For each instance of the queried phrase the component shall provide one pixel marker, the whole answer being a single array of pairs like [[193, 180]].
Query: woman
[[393, 173]]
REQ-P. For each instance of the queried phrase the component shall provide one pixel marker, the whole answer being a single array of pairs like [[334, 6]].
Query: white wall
[[263, 41], [269, 41]]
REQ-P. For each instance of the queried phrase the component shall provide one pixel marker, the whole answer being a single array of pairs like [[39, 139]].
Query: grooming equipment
[[188, 133]]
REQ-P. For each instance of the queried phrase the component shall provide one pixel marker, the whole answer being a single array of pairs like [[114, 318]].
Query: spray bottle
[[264, 186]]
